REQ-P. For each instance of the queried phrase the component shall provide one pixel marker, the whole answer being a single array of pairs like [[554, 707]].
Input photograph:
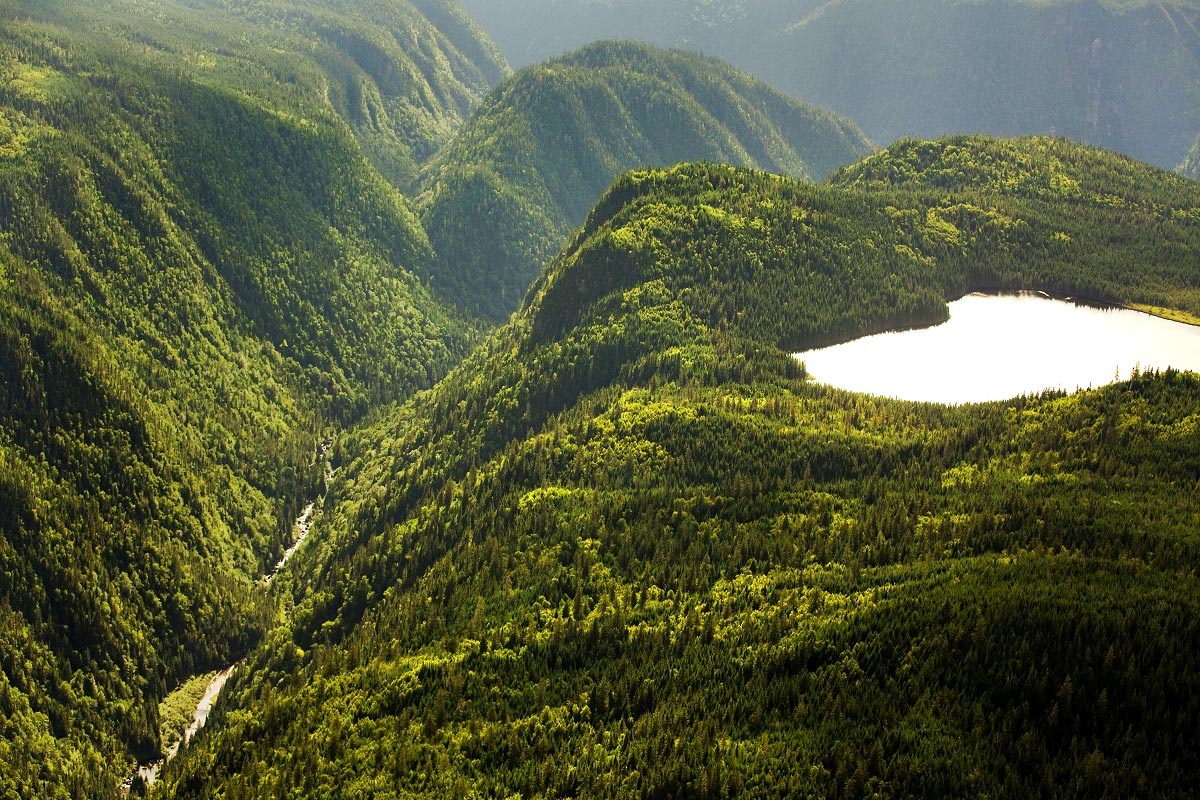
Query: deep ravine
[[148, 773]]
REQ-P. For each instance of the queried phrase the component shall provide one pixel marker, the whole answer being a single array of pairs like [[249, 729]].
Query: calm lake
[[999, 346]]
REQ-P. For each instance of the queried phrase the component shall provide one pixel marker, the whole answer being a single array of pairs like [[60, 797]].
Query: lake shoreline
[[1000, 345]]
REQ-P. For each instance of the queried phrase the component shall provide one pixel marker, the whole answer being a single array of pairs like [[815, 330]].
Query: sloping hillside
[[502, 198], [626, 550], [1121, 74], [199, 273], [402, 75], [1191, 165]]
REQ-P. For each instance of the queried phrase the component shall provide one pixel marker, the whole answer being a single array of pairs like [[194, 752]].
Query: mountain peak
[[546, 144]]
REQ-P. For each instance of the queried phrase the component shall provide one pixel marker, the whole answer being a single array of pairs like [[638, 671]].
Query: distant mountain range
[[1121, 75]]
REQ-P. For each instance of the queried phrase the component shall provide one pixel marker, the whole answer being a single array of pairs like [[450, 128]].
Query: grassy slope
[[503, 197], [625, 550], [1126, 74], [200, 269]]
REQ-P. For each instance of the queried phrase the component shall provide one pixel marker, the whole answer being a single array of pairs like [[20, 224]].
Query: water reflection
[[1000, 346]]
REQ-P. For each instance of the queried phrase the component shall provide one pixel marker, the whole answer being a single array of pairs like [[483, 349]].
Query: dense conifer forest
[[253, 254], [200, 271], [626, 549], [543, 147]]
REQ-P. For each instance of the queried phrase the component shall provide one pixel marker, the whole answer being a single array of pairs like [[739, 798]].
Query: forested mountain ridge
[[401, 74], [1122, 75], [199, 273], [502, 198], [1056, 184], [1032, 167], [625, 549]]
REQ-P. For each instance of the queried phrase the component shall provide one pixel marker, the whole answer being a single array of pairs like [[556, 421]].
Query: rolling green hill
[[504, 195], [1123, 74], [626, 550], [200, 273]]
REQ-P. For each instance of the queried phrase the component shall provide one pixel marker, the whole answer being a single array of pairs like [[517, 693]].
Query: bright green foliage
[[1084, 222], [1122, 74], [625, 550], [196, 279], [176, 711], [1035, 168], [503, 197]]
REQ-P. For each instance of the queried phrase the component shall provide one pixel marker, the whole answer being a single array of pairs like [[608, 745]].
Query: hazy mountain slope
[[402, 75], [625, 550], [194, 283], [535, 30], [537, 154], [1191, 165], [1123, 75]]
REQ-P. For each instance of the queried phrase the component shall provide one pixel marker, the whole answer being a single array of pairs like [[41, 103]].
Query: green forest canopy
[[501, 199], [401, 75], [201, 271], [626, 550], [207, 264]]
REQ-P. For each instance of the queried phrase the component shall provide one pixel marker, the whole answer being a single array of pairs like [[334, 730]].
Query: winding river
[[301, 528]]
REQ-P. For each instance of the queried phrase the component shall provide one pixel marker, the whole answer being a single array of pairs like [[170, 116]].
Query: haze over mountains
[[1191, 165], [1119, 74], [618, 546]]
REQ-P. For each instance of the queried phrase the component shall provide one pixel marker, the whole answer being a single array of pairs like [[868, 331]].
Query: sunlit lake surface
[[999, 346]]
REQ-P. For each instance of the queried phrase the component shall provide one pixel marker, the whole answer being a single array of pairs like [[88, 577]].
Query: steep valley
[[198, 275], [504, 195], [587, 528], [626, 549]]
